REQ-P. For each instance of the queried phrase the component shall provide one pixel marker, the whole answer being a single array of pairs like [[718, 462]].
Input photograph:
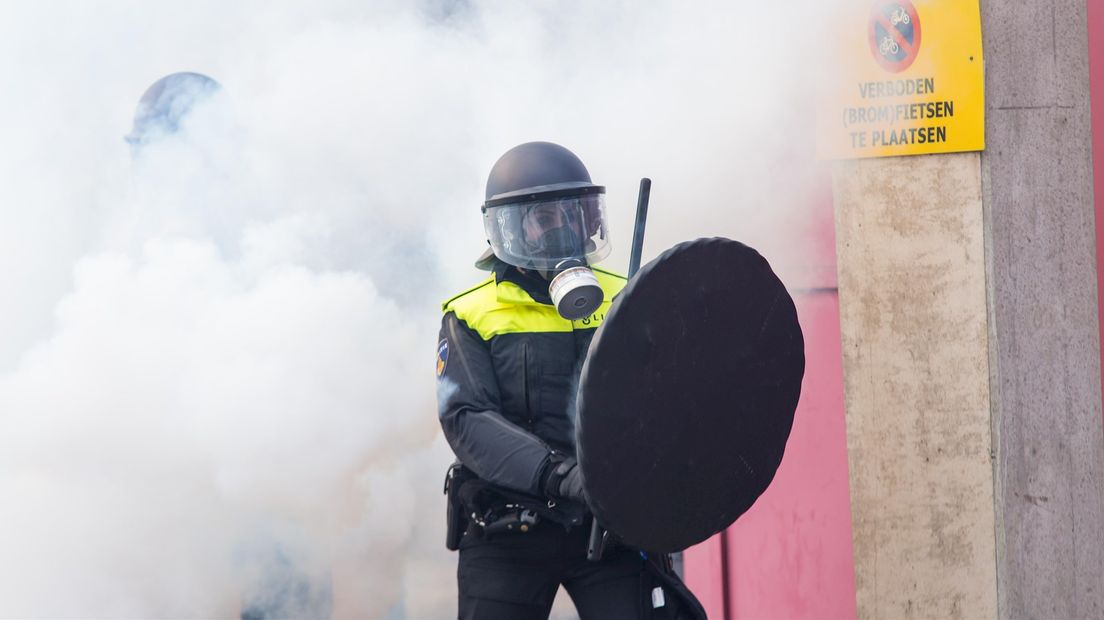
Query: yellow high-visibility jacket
[[507, 367]]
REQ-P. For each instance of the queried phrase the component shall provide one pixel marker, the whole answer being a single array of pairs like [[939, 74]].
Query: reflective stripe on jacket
[[507, 370]]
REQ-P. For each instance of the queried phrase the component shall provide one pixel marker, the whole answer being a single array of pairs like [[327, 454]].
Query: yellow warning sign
[[908, 79]]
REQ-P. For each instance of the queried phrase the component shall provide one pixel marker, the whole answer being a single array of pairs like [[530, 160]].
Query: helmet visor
[[542, 234]]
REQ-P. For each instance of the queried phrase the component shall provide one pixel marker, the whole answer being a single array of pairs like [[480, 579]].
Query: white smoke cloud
[[216, 352]]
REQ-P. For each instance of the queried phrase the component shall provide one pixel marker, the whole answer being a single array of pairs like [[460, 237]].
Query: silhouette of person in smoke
[[275, 583], [167, 103]]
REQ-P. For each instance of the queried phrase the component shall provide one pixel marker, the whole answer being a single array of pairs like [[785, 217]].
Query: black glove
[[565, 481], [571, 487]]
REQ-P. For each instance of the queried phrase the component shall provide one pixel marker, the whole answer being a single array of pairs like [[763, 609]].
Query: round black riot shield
[[687, 395]]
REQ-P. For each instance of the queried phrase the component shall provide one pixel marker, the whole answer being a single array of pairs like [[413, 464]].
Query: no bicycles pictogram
[[894, 34]]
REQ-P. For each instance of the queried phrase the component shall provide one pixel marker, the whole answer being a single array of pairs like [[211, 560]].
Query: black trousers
[[516, 576]]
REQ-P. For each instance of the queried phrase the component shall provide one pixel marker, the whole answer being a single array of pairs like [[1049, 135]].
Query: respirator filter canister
[[576, 293]]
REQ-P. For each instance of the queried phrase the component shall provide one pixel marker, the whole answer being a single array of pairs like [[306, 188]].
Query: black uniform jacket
[[507, 367]]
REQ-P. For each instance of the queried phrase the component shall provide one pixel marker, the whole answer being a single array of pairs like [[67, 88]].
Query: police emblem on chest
[[442, 356]]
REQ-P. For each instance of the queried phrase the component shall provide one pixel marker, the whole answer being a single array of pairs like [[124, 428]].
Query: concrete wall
[[969, 318], [1045, 346], [915, 353]]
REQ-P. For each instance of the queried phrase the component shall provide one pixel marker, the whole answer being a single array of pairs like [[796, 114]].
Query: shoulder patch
[[442, 356]]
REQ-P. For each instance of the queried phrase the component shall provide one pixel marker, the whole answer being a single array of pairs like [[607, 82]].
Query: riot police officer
[[508, 358]]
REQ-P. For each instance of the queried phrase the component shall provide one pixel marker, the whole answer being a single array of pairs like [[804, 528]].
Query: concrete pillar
[[1044, 337], [916, 384], [968, 312]]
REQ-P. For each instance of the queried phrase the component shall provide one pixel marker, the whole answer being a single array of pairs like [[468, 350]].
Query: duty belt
[[510, 518]]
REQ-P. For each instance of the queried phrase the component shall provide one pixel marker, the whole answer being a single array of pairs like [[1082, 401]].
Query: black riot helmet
[[542, 212], [167, 102]]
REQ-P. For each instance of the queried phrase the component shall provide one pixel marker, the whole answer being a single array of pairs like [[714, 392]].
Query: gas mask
[[572, 285], [557, 242], [557, 234]]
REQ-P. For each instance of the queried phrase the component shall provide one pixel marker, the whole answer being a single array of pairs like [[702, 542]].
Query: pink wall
[[1095, 12], [790, 555]]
